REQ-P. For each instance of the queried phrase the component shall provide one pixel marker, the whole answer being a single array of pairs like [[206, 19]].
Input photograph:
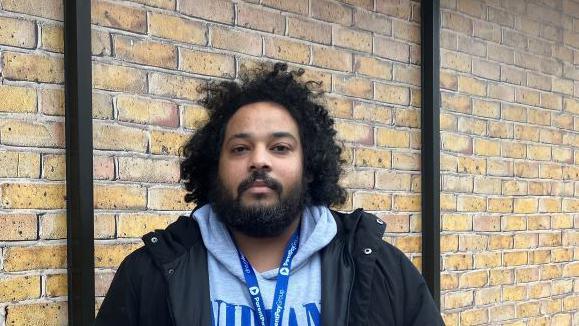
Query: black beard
[[257, 221]]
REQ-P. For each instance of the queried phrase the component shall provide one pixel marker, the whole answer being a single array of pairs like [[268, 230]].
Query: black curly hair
[[322, 164]]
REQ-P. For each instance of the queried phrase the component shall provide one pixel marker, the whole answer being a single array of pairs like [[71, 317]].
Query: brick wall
[[509, 122], [509, 135]]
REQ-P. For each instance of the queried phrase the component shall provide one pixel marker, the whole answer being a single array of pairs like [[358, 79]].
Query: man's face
[[260, 171]]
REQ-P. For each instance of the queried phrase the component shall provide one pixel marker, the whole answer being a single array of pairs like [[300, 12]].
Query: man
[[262, 247]]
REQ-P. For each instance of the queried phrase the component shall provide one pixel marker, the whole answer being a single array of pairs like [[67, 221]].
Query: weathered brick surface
[[509, 134], [511, 178]]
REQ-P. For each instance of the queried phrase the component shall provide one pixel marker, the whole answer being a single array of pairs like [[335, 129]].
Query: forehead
[[262, 119]]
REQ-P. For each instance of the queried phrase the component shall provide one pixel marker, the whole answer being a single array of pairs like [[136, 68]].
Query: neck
[[265, 253]]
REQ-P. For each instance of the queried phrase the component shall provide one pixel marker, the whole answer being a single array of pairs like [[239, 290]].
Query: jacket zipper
[[350, 289]]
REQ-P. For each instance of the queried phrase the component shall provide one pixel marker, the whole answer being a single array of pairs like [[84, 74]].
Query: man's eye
[[280, 148], [238, 149]]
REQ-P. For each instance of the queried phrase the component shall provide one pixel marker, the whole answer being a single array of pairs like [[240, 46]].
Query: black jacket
[[365, 281]]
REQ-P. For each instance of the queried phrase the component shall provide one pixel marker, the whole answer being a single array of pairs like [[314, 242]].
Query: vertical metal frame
[[430, 47], [79, 164]]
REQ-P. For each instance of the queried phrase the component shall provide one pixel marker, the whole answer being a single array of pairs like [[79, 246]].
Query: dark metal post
[[79, 165], [430, 30]]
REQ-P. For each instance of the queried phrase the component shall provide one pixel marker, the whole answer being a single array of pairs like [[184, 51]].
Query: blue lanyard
[[280, 286]]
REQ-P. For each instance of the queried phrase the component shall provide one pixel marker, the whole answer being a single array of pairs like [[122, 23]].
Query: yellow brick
[[549, 205], [352, 39], [458, 103], [473, 242], [52, 9], [526, 133], [528, 309], [332, 12], [514, 187], [525, 205], [41, 195], [474, 279], [525, 241], [165, 198], [38, 257], [206, 63], [102, 106], [116, 137], [471, 204], [538, 222], [256, 18], [500, 276], [100, 43], [298, 6], [539, 290], [407, 74], [167, 143], [29, 133], [486, 222], [448, 281], [145, 52], [390, 180], [527, 96], [457, 143], [357, 133], [194, 116], [456, 61], [486, 147], [449, 243], [409, 244], [118, 16], [52, 38], [17, 32], [527, 274], [500, 313], [406, 161], [406, 203], [18, 227], [487, 260], [516, 258], [353, 86], [176, 28], [458, 299], [457, 262], [456, 222], [570, 205], [513, 223], [513, 149], [450, 319], [540, 256], [373, 158], [118, 78], [471, 86], [392, 138], [19, 288], [148, 170], [218, 10], [119, 196], [550, 239], [407, 118], [562, 155], [571, 303], [474, 317], [309, 30], [53, 226], [238, 41], [135, 225], [392, 94], [484, 108], [372, 67], [541, 153], [501, 241], [357, 179], [561, 255], [324, 79], [550, 272], [48, 314], [56, 285], [487, 296], [52, 101], [147, 111], [448, 80], [448, 202], [330, 58], [370, 112], [373, 201], [33, 67], [174, 86], [112, 255]]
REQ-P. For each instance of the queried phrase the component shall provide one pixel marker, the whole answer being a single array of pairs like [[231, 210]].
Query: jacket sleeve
[[120, 306], [419, 307]]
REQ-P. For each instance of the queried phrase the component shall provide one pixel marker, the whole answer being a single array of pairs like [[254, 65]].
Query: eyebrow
[[277, 134]]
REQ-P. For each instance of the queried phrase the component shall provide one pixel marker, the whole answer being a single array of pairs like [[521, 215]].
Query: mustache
[[262, 176]]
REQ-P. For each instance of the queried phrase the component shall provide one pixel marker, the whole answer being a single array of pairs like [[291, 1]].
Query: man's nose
[[260, 159]]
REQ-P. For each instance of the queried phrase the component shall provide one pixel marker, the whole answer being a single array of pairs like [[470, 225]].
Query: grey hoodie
[[230, 300]]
